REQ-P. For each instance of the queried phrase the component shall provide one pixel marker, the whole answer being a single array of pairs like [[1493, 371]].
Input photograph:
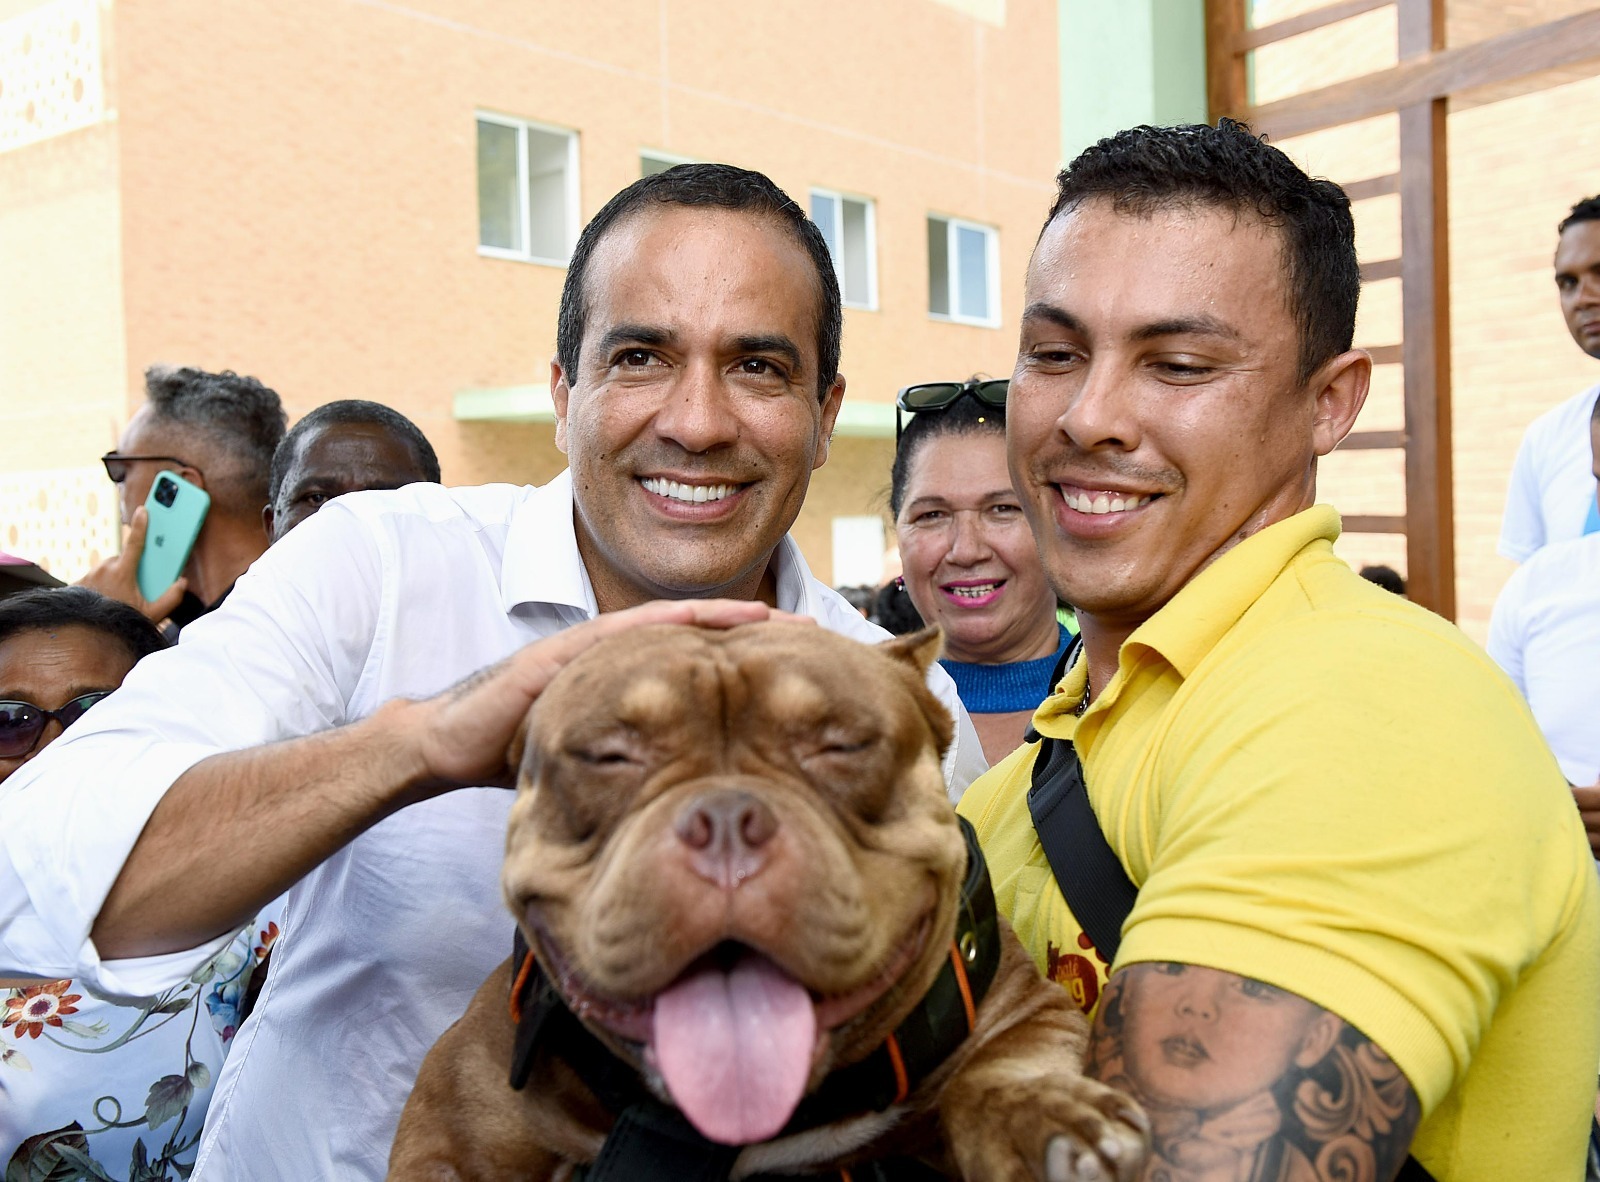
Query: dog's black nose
[[727, 833]]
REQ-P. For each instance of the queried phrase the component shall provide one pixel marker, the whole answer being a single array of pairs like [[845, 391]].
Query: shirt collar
[[1201, 613], [1196, 619], [542, 563], [792, 577]]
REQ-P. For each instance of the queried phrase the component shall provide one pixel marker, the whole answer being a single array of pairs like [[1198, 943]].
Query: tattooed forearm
[[1246, 1081], [473, 680]]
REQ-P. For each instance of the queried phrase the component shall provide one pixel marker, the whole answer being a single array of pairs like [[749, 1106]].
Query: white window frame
[[670, 159], [522, 127], [839, 197], [991, 237]]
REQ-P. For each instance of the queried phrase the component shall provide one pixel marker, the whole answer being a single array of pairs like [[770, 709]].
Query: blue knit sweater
[[1000, 689]]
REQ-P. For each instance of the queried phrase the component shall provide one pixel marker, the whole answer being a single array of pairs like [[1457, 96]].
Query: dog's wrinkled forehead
[[651, 679], [648, 678]]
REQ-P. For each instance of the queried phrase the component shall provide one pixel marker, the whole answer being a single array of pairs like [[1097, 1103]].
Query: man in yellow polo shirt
[[1367, 921]]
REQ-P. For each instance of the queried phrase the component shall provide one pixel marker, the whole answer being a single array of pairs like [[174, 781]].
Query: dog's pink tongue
[[735, 1048]]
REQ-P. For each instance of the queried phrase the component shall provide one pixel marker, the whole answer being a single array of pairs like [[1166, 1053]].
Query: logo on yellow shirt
[[1076, 973]]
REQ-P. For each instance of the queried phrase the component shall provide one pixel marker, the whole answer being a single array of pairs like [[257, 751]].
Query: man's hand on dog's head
[[462, 736]]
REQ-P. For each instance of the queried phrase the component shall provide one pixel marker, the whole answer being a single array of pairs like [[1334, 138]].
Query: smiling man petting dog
[[1366, 920], [307, 736]]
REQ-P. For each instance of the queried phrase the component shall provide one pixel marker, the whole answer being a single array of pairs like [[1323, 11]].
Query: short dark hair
[[894, 612], [860, 597], [720, 186], [1386, 577], [59, 607], [1146, 169], [349, 410], [1587, 210], [238, 417], [965, 416]]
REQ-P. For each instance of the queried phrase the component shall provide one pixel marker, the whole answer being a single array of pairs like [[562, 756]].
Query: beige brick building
[[292, 190]]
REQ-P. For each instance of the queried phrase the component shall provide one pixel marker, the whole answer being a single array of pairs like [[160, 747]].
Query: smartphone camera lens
[[166, 492]]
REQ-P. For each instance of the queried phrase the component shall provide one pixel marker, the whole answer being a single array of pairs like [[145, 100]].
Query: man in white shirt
[[326, 731], [1545, 633], [1551, 497]]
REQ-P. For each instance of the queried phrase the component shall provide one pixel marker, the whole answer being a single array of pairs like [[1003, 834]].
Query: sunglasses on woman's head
[[942, 395], [21, 723]]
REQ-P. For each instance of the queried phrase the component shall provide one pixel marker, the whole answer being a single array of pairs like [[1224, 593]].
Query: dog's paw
[[1105, 1138], [1114, 1156], [1055, 1130]]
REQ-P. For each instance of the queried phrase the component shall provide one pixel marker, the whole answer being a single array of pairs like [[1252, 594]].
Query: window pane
[[939, 266], [650, 165], [855, 260], [972, 252], [547, 193], [825, 213], [499, 219]]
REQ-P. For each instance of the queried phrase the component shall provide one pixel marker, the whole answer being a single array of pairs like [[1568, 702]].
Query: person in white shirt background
[[332, 729], [81, 1075], [1551, 494], [1545, 633], [86, 1081]]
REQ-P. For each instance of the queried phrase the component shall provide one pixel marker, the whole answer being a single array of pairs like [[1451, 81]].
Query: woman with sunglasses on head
[[83, 1076], [968, 558]]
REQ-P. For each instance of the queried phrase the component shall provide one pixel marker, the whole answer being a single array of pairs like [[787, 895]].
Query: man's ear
[[560, 392], [267, 518], [1340, 388], [831, 401], [919, 649]]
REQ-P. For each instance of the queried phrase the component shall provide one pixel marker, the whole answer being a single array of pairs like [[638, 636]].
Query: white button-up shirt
[[1545, 633], [381, 595]]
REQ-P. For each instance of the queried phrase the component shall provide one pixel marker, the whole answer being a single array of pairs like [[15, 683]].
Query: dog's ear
[[518, 748], [920, 649]]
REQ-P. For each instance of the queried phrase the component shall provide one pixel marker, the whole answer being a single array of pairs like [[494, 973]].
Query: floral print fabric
[[97, 1089]]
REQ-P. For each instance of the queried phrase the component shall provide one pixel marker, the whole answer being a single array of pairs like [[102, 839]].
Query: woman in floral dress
[[92, 1087]]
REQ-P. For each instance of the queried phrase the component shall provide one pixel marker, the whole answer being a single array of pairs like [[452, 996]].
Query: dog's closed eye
[[845, 746], [606, 755], [605, 747], [832, 740]]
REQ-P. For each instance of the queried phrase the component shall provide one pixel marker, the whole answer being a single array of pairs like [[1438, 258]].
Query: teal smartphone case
[[177, 510]]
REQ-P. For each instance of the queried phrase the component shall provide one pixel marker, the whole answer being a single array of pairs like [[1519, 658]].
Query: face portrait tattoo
[[1243, 1080]]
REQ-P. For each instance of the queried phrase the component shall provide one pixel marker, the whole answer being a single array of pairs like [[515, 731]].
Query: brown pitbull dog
[[754, 922]]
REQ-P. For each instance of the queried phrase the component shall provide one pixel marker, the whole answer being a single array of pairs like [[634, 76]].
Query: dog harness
[[651, 1140]]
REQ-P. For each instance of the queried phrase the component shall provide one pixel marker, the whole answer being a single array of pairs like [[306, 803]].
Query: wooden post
[[1425, 314], [1227, 80]]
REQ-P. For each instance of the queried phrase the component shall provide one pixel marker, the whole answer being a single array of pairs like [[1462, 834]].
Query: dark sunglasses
[[943, 395], [21, 723], [117, 464]]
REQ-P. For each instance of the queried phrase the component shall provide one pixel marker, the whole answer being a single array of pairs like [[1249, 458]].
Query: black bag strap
[[1412, 1171], [1097, 889], [1092, 881]]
